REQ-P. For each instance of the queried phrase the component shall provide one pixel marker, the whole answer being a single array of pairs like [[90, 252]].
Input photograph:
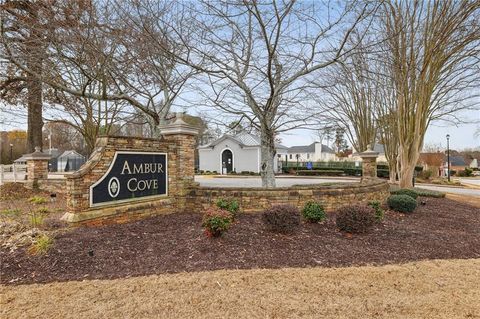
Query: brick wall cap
[[37, 155], [178, 127]]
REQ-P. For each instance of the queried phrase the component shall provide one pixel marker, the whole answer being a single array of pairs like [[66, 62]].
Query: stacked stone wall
[[258, 199]]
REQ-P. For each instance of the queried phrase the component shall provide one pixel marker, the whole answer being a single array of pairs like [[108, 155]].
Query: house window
[[290, 156], [308, 155]]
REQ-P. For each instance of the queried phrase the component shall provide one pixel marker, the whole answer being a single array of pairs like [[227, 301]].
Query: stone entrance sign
[[127, 178], [131, 176]]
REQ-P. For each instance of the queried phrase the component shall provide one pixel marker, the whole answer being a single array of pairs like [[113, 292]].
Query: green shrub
[[41, 245], [428, 193], [402, 203], [37, 200], [377, 206], [426, 174], [314, 212], [315, 172], [216, 221], [405, 191], [467, 172], [281, 218], [355, 218], [230, 205], [10, 212]]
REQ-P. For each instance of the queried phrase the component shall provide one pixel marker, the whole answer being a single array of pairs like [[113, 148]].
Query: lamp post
[[448, 157], [11, 152]]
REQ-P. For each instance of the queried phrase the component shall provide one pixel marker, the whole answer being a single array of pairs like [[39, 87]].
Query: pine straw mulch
[[441, 229]]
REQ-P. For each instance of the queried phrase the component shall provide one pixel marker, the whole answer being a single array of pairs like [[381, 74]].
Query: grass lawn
[[427, 289]]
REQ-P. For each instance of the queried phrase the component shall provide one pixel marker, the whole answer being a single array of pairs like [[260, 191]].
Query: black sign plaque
[[131, 176]]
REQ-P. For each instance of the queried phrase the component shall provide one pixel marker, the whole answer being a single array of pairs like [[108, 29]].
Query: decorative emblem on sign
[[131, 176], [113, 187]]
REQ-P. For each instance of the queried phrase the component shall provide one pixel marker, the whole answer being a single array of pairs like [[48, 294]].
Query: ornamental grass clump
[[230, 205], [281, 218], [216, 221], [402, 203], [355, 218], [313, 212]]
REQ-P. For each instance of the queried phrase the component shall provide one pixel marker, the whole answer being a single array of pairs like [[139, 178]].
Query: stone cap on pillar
[[37, 155], [178, 127], [369, 153]]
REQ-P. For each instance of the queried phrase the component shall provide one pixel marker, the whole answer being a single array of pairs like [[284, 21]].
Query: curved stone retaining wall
[[257, 199]]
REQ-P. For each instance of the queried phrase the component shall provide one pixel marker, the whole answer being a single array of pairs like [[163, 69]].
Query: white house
[[379, 148], [310, 153], [240, 152]]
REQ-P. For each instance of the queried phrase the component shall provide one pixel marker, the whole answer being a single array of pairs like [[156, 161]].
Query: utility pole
[[448, 157]]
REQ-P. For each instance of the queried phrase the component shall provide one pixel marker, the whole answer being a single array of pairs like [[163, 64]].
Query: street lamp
[[11, 152], [448, 157]]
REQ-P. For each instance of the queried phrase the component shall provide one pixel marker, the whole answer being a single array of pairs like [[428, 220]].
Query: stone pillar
[[37, 167], [183, 135], [369, 164]]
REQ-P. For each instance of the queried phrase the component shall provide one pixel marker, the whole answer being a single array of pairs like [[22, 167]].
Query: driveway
[[210, 181]]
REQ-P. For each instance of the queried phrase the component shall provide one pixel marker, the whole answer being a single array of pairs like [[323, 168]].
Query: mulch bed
[[441, 229]]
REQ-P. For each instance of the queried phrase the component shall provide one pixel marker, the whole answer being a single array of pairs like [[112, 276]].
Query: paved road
[[471, 181], [453, 190], [256, 181], [210, 181]]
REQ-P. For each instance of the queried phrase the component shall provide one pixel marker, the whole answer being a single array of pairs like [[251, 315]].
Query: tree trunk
[[392, 172], [35, 120], [267, 156], [408, 161]]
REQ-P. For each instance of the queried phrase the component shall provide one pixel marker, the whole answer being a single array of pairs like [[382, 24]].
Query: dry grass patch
[[471, 200], [430, 289]]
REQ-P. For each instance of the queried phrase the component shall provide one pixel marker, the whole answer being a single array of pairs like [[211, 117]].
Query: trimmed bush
[[229, 204], [314, 212], [216, 221], [314, 172], [377, 206], [355, 218], [402, 203], [428, 193], [281, 218], [405, 191]]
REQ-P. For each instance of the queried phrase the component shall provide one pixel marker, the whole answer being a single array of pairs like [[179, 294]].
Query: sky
[[461, 136]]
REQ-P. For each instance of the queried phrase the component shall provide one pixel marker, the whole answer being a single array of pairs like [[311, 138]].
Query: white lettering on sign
[[144, 168], [134, 184]]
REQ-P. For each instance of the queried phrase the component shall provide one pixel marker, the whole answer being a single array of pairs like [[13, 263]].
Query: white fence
[[12, 173]]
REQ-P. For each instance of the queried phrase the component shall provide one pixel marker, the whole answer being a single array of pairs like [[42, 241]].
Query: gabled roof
[[71, 154], [309, 149], [244, 139], [457, 161]]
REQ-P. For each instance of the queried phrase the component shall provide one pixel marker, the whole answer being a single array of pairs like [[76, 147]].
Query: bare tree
[[434, 49], [111, 57], [261, 56], [352, 93], [25, 24]]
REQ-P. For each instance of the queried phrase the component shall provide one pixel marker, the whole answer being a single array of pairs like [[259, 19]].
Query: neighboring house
[[52, 163], [239, 152], [433, 162], [474, 163], [314, 152], [457, 163], [70, 161], [376, 148]]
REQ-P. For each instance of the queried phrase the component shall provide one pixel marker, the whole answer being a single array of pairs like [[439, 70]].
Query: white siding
[[244, 159]]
